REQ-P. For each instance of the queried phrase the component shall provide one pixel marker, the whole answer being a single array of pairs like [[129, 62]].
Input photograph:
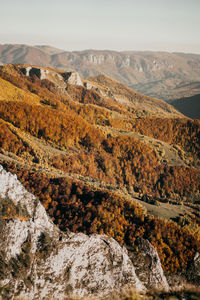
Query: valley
[[102, 159]]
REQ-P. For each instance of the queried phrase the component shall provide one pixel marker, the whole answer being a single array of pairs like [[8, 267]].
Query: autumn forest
[[93, 160]]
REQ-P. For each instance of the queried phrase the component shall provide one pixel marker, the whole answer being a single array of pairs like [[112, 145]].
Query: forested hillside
[[104, 159]]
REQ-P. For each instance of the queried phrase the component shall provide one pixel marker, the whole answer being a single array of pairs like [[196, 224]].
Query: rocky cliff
[[39, 261], [59, 79]]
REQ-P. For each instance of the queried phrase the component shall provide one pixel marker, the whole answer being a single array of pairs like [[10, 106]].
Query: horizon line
[[96, 49]]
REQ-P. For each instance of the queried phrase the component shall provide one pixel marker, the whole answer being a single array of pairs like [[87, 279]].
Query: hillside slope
[[89, 150], [189, 106]]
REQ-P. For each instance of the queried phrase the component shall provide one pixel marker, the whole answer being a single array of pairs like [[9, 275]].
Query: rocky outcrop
[[89, 86], [38, 261], [147, 264], [72, 78], [61, 80], [39, 72], [50, 75]]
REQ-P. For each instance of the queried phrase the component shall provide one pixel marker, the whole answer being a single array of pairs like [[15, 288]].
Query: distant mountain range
[[157, 74]]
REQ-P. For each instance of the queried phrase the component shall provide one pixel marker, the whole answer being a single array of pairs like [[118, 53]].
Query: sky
[[158, 25]]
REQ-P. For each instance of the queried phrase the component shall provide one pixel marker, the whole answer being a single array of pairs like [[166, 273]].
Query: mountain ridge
[[157, 74]]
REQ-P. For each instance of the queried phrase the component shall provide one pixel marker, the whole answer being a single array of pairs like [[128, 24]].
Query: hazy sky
[[169, 25]]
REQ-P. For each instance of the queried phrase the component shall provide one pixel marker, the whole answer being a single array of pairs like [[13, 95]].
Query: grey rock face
[[31, 71], [41, 73], [147, 264], [61, 80], [38, 261], [72, 78]]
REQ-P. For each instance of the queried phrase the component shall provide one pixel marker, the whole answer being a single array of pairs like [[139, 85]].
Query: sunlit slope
[[89, 151]]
